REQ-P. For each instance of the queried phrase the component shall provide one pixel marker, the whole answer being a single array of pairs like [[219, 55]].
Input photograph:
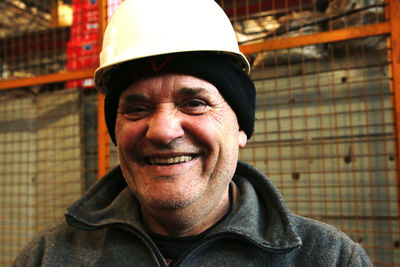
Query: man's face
[[178, 141]]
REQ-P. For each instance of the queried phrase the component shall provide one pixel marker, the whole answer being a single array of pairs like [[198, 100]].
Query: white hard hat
[[145, 28]]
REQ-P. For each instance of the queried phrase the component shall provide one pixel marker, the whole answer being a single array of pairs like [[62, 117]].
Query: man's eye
[[194, 106], [135, 112]]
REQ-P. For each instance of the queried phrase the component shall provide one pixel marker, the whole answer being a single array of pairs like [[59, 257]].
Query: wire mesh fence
[[40, 163], [325, 130], [324, 136]]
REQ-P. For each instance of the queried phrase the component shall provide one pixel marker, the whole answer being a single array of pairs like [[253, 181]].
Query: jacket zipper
[[147, 240]]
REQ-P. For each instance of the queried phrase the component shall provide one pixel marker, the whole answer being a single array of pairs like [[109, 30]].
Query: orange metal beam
[[393, 12], [45, 79], [103, 140], [102, 20], [317, 38]]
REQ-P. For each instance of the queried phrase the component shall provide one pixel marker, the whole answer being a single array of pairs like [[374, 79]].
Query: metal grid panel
[[40, 163], [324, 136], [17, 168], [58, 154], [90, 146]]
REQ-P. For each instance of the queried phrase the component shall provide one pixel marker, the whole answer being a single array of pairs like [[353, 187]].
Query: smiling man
[[179, 105]]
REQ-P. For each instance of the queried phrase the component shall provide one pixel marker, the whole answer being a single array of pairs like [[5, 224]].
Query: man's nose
[[164, 126]]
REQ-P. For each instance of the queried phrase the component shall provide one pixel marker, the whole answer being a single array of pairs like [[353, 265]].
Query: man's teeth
[[170, 160]]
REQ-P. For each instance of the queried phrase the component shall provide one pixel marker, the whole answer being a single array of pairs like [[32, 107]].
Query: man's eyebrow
[[132, 98], [192, 91]]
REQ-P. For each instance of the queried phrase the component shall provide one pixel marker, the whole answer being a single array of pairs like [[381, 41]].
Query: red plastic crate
[[85, 16], [85, 21], [82, 50], [74, 84], [84, 32], [84, 5], [82, 55]]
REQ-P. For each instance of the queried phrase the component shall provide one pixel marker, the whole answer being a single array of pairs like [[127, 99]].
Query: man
[[179, 105]]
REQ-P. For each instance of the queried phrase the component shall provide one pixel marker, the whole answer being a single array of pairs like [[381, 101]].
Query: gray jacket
[[104, 228]]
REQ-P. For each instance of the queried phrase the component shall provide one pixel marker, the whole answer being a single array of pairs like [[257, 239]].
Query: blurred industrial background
[[327, 134]]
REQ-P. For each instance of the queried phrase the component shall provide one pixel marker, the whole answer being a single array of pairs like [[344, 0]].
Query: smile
[[169, 160]]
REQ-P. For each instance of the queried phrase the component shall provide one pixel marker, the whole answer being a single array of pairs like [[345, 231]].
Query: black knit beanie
[[232, 82]]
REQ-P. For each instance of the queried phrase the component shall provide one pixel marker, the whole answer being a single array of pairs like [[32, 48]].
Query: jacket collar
[[107, 202], [260, 214]]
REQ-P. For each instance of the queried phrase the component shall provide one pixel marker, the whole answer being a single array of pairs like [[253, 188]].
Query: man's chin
[[167, 203]]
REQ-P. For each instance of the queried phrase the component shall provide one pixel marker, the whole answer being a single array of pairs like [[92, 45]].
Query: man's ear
[[242, 139]]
